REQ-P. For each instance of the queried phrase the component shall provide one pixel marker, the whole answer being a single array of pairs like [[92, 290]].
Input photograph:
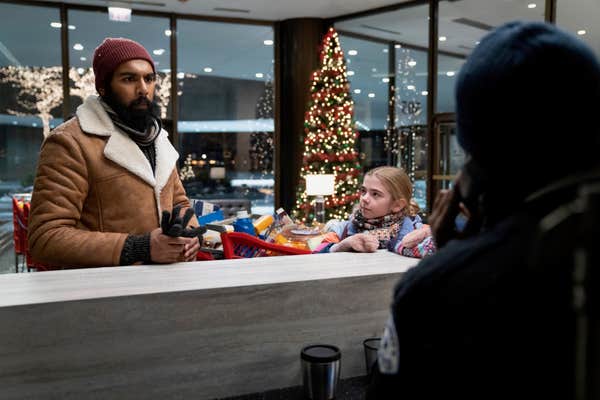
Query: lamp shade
[[320, 185], [217, 173]]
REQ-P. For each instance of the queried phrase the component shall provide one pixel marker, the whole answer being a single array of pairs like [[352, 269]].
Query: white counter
[[206, 329]]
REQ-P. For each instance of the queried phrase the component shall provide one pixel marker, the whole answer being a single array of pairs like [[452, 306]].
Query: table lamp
[[319, 186], [216, 173]]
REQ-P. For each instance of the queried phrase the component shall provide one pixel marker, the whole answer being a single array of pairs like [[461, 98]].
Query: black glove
[[173, 225]]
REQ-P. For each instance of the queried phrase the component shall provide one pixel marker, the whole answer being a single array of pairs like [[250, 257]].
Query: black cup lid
[[372, 343], [320, 353]]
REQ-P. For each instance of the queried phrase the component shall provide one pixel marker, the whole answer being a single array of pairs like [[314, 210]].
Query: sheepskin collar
[[124, 151]]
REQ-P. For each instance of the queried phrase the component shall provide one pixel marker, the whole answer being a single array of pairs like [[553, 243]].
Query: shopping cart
[[242, 245]]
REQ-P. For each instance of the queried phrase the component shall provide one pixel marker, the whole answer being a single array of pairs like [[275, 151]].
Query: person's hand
[[173, 225], [361, 242], [165, 249], [447, 206], [190, 249], [415, 237], [444, 212]]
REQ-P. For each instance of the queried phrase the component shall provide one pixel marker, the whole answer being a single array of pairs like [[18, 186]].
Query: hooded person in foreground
[[480, 319]]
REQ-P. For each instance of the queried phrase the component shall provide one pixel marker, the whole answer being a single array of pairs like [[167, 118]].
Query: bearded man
[[105, 177]]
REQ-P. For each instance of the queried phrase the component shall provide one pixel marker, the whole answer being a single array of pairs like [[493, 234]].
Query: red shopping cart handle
[[242, 245]]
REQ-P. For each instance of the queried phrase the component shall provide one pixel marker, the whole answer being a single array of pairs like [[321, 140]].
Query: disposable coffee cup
[[371, 345]]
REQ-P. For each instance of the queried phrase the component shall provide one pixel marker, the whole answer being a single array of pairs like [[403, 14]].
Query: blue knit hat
[[530, 91]]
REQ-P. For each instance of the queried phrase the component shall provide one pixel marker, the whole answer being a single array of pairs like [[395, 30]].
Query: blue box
[[213, 216]]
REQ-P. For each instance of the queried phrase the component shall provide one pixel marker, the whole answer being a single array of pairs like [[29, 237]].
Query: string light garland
[[261, 143], [401, 135], [39, 90], [329, 140]]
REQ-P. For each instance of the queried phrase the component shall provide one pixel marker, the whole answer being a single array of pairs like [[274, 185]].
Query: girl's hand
[[361, 242], [415, 237]]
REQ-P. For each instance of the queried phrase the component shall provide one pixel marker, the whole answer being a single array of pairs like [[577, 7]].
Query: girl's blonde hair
[[395, 181]]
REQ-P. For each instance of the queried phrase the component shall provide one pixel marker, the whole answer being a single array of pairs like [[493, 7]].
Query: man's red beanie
[[112, 53]]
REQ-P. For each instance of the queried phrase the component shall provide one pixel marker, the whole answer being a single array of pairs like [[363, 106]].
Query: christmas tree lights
[[261, 143], [329, 141]]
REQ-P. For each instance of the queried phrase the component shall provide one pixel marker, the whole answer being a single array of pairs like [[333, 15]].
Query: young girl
[[381, 219]]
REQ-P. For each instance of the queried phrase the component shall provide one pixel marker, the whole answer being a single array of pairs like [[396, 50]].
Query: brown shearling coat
[[94, 186]]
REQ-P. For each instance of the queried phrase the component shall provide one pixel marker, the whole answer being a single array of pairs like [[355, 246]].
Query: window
[[410, 133], [30, 90], [398, 45], [151, 32], [580, 17], [462, 24], [225, 126], [368, 73]]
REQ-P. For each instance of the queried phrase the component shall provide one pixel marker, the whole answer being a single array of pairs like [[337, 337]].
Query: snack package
[[299, 236]]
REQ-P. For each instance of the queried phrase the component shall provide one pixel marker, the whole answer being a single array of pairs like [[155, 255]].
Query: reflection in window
[[226, 111], [448, 68], [400, 38], [409, 139], [462, 24], [580, 17], [83, 42], [30, 89], [368, 74]]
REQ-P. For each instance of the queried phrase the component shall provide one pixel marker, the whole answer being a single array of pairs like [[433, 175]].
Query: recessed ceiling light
[[268, 42], [82, 58], [412, 63], [581, 32], [531, 5], [72, 27], [352, 52], [158, 52], [168, 32], [385, 50], [55, 24], [259, 75], [371, 95], [385, 80], [410, 87], [357, 91], [78, 46], [397, 46], [208, 69], [350, 73], [424, 92], [119, 14], [450, 73], [443, 38]]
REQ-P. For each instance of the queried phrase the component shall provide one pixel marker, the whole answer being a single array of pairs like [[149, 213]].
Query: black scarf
[[141, 138]]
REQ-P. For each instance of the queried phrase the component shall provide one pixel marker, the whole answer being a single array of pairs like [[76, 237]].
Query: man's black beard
[[137, 118]]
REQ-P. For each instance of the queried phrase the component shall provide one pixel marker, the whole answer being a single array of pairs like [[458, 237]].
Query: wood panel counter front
[[202, 330]]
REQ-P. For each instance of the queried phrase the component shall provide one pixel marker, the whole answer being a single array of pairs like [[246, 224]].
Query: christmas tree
[[330, 135]]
